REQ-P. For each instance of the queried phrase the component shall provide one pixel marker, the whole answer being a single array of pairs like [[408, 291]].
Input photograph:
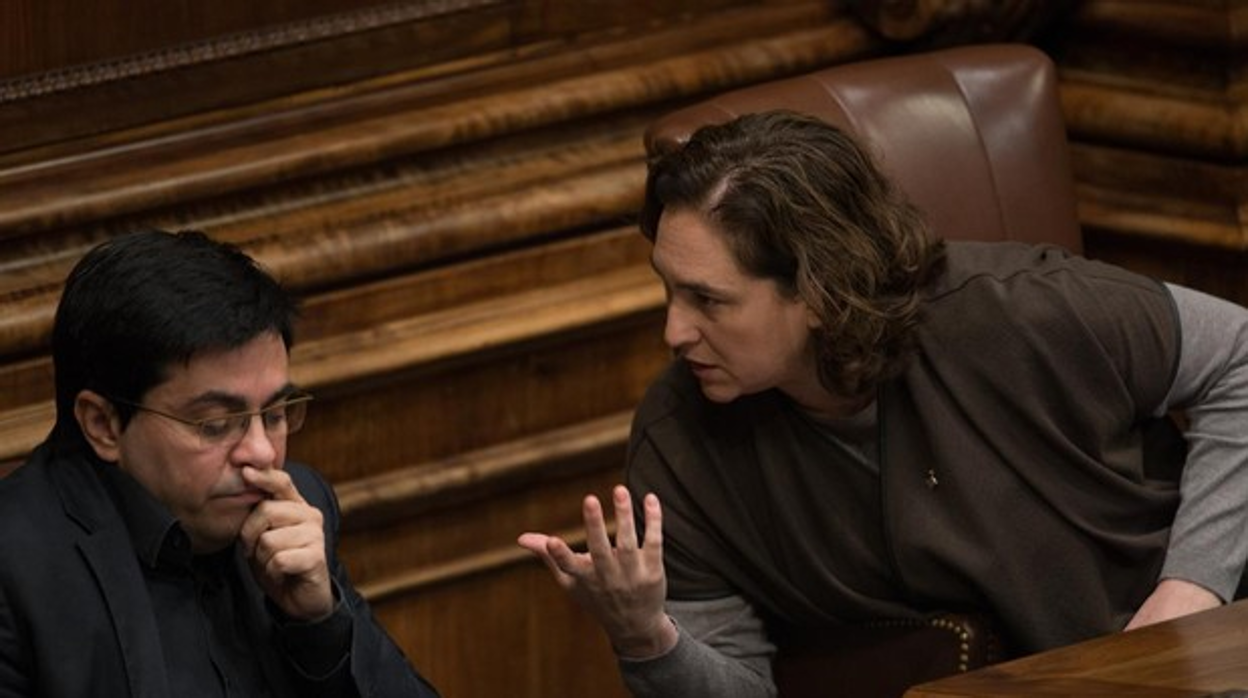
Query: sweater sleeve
[[1207, 543], [723, 652]]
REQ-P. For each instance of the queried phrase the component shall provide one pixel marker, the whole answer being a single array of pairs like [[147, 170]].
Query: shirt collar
[[157, 536]]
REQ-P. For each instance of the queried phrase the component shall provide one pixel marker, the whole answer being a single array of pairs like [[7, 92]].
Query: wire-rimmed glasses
[[280, 419]]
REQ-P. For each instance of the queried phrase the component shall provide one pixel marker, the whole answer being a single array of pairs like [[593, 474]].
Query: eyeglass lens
[[283, 418]]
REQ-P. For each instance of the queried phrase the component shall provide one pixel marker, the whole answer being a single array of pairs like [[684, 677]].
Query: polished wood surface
[[1204, 654]]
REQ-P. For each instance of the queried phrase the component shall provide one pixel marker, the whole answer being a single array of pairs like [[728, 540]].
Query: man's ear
[[99, 423]]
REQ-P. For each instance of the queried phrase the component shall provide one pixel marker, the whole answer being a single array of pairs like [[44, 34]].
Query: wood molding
[[425, 342], [382, 499], [1161, 197], [251, 154], [404, 226], [945, 22], [1205, 25], [232, 46], [1154, 98], [429, 341], [386, 500], [1212, 129], [478, 476], [492, 560]]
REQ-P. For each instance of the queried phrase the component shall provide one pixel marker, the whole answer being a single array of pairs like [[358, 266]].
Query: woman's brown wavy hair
[[800, 202]]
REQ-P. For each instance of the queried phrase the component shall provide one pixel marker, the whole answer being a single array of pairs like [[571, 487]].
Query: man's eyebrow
[[216, 398], [236, 403], [282, 393]]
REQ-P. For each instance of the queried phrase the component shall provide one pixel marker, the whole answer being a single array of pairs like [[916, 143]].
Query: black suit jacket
[[75, 616]]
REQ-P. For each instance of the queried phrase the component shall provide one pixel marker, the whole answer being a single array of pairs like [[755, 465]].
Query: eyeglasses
[[279, 419]]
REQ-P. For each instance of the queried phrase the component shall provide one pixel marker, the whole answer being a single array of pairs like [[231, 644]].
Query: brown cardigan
[[1027, 404]]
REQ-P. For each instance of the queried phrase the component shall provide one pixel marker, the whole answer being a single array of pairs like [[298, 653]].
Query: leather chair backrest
[[974, 135]]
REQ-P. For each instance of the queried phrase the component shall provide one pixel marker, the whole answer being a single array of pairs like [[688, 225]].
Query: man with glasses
[[158, 543]]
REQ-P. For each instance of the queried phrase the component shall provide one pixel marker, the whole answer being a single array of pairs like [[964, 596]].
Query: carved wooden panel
[[1154, 98]]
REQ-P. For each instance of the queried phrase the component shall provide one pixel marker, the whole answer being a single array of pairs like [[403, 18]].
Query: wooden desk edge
[[1190, 643]]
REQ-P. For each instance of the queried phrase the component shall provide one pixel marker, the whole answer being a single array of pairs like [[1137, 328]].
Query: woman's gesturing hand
[[622, 585]]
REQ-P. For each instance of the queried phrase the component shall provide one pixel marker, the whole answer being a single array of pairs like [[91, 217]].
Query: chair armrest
[[881, 659]]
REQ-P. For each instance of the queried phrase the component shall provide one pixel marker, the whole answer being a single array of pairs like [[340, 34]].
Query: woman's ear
[[99, 423], [813, 321]]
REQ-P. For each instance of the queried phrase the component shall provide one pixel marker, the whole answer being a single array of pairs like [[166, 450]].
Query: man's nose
[[256, 447]]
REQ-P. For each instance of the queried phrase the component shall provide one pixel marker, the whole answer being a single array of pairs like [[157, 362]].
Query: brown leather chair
[[975, 137]]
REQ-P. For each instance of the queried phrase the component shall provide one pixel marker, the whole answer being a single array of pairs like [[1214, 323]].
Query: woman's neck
[[824, 405]]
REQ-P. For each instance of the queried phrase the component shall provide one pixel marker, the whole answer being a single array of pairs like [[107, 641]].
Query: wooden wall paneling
[[507, 633], [1216, 271], [1198, 123], [1154, 98], [1168, 198], [180, 169], [375, 501], [520, 298], [919, 25], [444, 573], [557, 261], [45, 35], [282, 222], [388, 42], [421, 212], [466, 400], [486, 501], [284, 146], [41, 36], [125, 90], [432, 544], [442, 570], [346, 253]]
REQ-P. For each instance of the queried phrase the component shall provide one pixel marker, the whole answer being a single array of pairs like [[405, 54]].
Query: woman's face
[[739, 334]]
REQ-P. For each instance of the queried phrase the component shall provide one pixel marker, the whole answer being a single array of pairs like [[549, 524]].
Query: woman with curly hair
[[863, 422]]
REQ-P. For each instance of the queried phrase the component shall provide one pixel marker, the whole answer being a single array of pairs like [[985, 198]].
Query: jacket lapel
[[130, 608], [107, 550]]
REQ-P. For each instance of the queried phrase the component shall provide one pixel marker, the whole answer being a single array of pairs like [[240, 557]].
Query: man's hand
[[1173, 598], [284, 541], [624, 586]]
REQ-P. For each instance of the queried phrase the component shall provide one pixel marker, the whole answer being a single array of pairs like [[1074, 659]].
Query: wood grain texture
[[1154, 98], [1197, 655]]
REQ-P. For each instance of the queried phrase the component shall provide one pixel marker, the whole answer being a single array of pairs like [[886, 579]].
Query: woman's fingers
[[654, 526], [625, 529], [607, 564], [596, 537]]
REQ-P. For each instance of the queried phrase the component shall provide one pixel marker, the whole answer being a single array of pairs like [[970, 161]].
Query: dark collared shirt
[[219, 638]]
